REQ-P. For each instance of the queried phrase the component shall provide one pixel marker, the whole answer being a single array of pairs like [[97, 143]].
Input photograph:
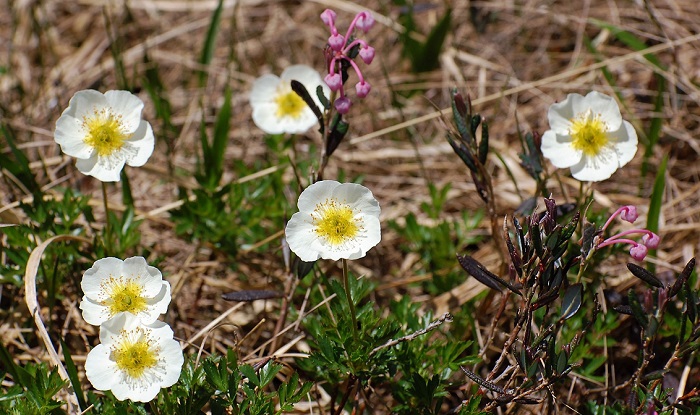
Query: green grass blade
[[220, 139], [630, 40], [73, 376], [656, 123], [210, 41], [655, 203]]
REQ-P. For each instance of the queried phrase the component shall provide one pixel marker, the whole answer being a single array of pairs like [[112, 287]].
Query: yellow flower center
[[335, 222], [105, 132], [589, 133], [289, 104], [124, 294], [135, 357]]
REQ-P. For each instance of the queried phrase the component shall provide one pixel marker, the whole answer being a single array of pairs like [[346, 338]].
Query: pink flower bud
[[334, 81], [336, 42], [638, 252], [342, 105], [651, 240], [363, 88], [328, 17], [367, 54], [629, 213], [365, 21]]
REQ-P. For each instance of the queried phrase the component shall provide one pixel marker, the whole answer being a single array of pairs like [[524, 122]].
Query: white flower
[[134, 360], [104, 131], [334, 221], [112, 286], [277, 109], [589, 135]]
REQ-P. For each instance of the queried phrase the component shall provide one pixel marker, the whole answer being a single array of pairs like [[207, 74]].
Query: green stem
[[107, 237], [350, 302]]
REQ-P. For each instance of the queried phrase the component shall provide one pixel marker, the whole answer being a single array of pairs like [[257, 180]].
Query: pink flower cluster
[[650, 240], [340, 48]]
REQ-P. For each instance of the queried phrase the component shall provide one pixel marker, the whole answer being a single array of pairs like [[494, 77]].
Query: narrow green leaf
[[656, 200], [630, 40], [73, 376], [210, 41], [220, 139], [571, 302], [428, 55]]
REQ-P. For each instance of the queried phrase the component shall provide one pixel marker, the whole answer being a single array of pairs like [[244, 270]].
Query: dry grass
[[530, 54]]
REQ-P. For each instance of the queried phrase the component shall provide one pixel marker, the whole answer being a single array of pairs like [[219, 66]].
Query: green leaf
[[656, 200], [571, 302], [73, 376], [428, 54], [210, 41], [249, 372], [630, 40]]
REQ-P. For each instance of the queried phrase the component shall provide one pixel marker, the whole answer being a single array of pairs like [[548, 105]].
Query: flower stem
[[107, 237], [346, 284]]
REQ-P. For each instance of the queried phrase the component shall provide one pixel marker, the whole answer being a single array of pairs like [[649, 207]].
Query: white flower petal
[[595, 169], [607, 143], [316, 193], [112, 285], [99, 369], [334, 221], [128, 106], [70, 136], [272, 117], [144, 142], [604, 106], [309, 77], [101, 168], [264, 90], [561, 113], [84, 103], [93, 313], [625, 142], [160, 366], [104, 131], [264, 116], [101, 269], [558, 150]]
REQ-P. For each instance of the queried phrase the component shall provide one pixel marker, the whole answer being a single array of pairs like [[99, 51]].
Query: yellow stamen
[[289, 104], [335, 222], [589, 133], [124, 294], [135, 357], [105, 132]]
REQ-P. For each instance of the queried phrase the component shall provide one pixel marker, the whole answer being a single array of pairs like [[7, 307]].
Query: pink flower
[[367, 54], [363, 88], [638, 252], [365, 21], [651, 240], [334, 81], [342, 105]]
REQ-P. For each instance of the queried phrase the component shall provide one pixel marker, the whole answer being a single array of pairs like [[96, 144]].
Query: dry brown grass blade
[[30, 295]]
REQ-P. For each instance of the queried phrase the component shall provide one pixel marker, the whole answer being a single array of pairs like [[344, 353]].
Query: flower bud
[[629, 214], [363, 88], [367, 54], [328, 17], [651, 240], [334, 81], [365, 21], [342, 105], [639, 252], [336, 42]]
